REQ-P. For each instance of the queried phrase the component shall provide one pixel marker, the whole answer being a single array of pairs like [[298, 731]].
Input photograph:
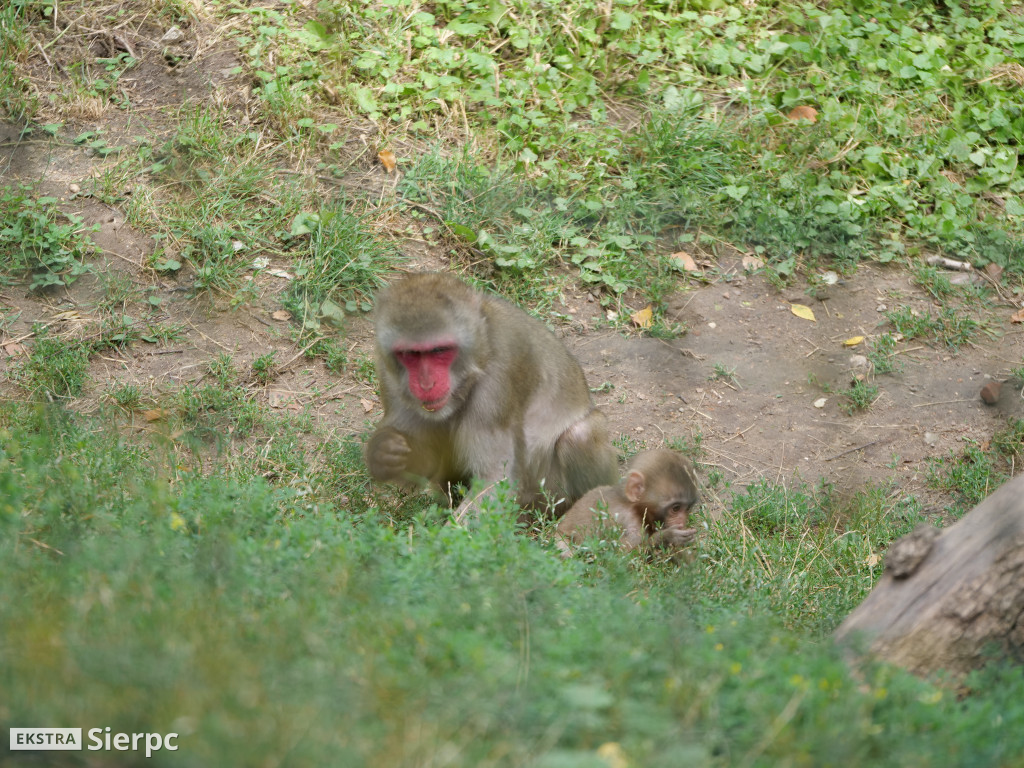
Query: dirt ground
[[764, 423]]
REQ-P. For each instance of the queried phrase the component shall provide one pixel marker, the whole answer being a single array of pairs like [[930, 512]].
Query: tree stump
[[950, 599]]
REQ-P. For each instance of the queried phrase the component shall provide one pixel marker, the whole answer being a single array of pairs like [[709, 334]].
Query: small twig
[[45, 546], [942, 261], [28, 335], [124, 258], [741, 432], [284, 366], [858, 448], [942, 402], [163, 352]]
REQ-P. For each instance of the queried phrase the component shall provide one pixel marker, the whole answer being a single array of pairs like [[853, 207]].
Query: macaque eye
[[675, 509], [442, 354]]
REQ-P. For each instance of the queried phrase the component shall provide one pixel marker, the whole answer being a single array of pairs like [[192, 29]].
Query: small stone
[[880, 308], [990, 392], [858, 361], [173, 35], [931, 439], [74, 189]]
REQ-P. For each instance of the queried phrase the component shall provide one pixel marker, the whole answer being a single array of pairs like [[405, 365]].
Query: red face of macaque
[[429, 368]]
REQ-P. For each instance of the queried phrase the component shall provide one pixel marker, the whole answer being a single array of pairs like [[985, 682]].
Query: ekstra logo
[[47, 739]]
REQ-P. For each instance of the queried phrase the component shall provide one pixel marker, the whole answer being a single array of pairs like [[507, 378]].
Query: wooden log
[[950, 599]]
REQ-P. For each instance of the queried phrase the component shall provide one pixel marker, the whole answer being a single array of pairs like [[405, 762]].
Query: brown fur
[[519, 409], [649, 508]]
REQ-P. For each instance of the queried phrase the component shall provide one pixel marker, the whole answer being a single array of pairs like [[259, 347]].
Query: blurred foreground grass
[[267, 628]]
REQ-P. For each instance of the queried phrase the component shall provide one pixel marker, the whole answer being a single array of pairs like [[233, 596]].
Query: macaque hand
[[387, 454], [674, 537]]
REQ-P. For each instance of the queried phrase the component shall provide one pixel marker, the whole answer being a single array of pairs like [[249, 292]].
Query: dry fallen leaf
[[994, 271], [643, 317], [13, 348], [154, 415], [1017, 317], [281, 314], [750, 263], [810, 114], [684, 262], [367, 404], [388, 160], [853, 341], [801, 310], [873, 560]]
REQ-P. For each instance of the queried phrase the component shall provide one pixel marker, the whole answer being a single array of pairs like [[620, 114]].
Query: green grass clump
[[916, 121], [56, 367], [1009, 441], [882, 354], [806, 556], [859, 397], [36, 239], [17, 101], [951, 326], [342, 263], [969, 475]]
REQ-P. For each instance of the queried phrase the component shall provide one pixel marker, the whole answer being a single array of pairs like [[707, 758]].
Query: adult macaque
[[474, 388], [650, 508]]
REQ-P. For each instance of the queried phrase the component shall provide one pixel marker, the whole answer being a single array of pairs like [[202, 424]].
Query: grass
[[952, 326], [135, 595], [974, 472], [56, 368], [859, 397], [39, 241], [180, 557], [882, 354]]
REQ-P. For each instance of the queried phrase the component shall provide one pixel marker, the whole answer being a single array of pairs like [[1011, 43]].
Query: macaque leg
[[565, 549], [585, 458], [471, 503]]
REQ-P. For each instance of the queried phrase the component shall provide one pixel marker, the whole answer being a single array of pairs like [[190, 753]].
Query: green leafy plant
[[36, 239], [859, 397], [341, 264], [263, 367], [882, 354]]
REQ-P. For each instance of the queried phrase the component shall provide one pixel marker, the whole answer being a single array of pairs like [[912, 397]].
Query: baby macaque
[[650, 507]]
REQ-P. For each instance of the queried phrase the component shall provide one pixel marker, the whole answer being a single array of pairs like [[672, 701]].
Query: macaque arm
[[387, 454], [390, 457]]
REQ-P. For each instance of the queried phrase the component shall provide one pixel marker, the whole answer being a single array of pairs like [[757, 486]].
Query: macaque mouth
[[436, 405]]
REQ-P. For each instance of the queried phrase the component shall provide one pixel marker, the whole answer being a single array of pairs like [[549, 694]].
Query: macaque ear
[[635, 486]]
